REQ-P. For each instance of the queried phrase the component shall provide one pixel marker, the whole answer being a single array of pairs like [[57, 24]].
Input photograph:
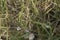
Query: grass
[[40, 17]]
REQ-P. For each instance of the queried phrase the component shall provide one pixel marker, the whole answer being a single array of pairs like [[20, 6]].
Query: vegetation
[[26, 19]]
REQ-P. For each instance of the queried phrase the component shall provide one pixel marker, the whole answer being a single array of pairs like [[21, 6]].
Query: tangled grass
[[20, 18]]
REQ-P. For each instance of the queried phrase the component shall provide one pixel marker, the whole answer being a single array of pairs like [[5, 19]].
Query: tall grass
[[40, 17]]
